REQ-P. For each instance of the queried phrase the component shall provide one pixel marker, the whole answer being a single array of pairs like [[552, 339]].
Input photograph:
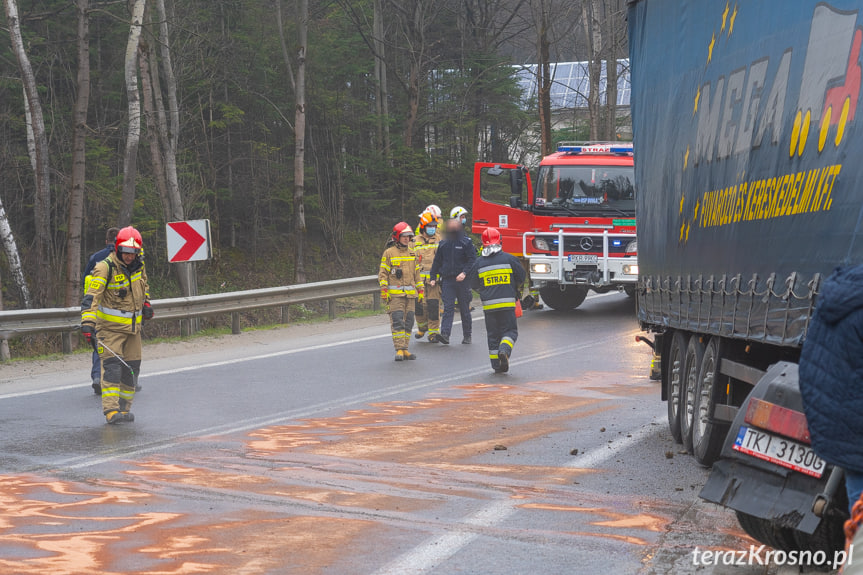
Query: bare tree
[[300, 141], [133, 136], [38, 147], [544, 78], [13, 257], [79, 158], [382, 106], [592, 23]]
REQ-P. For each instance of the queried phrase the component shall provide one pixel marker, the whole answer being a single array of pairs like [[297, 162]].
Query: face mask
[[431, 230], [463, 220]]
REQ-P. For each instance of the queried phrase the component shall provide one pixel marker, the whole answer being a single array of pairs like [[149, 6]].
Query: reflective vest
[[401, 261], [115, 295], [497, 278], [426, 247]]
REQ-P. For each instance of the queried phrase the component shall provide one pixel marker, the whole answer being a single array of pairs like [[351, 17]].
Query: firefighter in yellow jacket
[[401, 286], [115, 303], [425, 246]]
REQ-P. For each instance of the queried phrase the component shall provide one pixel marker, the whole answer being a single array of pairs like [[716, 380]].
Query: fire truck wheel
[[674, 362], [630, 290], [689, 384], [563, 298], [708, 435]]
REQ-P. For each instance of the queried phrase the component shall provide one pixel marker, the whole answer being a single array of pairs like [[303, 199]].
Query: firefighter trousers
[[428, 311], [502, 331], [118, 383], [401, 311]]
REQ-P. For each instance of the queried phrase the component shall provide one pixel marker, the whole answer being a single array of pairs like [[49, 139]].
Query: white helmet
[[457, 212], [433, 210]]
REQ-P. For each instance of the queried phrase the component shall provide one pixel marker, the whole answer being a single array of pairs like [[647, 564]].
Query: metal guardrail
[[67, 319]]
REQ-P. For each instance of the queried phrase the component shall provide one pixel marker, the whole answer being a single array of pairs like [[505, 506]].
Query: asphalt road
[[311, 451]]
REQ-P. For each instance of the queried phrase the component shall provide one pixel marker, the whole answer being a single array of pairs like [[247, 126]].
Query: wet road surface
[[319, 454]]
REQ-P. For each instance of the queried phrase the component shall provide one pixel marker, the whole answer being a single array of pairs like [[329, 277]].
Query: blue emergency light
[[617, 243], [618, 148]]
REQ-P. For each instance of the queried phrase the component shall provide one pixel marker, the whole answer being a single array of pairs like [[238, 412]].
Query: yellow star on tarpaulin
[[682, 230], [712, 44], [686, 158], [697, 97], [687, 233], [681, 204], [731, 23], [697, 205], [725, 16]]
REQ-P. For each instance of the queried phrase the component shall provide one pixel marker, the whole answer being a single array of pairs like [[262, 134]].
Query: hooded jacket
[[831, 370]]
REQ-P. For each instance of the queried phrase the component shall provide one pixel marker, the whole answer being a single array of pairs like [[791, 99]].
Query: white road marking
[[429, 554], [238, 426]]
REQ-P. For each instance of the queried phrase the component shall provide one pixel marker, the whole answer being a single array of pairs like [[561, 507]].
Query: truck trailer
[[744, 122]]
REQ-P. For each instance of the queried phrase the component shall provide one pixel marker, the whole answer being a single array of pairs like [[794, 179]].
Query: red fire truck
[[575, 229]]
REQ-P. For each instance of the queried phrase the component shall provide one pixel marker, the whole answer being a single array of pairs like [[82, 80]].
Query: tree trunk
[[611, 75], [382, 106], [593, 33], [4, 343], [133, 136], [300, 140], [13, 257], [544, 80], [79, 159], [284, 44], [38, 153]]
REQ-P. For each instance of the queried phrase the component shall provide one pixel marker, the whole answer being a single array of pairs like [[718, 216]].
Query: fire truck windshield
[[586, 189]]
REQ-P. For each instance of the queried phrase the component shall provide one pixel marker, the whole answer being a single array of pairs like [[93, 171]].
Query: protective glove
[[88, 330], [385, 293], [147, 311], [420, 294]]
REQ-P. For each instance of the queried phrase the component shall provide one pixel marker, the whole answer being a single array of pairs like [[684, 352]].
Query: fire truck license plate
[[778, 450], [584, 259]]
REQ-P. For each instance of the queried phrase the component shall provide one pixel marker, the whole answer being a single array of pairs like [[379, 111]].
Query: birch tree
[[133, 136], [79, 157], [300, 141], [13, 257], [38, 148]]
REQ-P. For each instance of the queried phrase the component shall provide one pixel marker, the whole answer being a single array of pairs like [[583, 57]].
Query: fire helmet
[[491, 237], [457, 212], [401, 229], [434, 209], [129, 241], [428, 218]]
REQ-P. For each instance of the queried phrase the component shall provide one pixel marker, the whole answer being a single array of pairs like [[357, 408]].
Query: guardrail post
[[235, 323], [4, 350], [376, 301], [66, 341], [286, 314], [331, 304]]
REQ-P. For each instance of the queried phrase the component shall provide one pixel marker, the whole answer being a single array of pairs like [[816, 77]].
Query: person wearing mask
[[425, 246], [401, 287], [116, 303], [453, 261], [831, 376], [497, 277], [87, 277], [459, 213]]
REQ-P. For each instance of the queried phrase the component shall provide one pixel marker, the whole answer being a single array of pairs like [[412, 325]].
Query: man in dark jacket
[[831, 376], [110, 238], [497, 276], [453, 261]]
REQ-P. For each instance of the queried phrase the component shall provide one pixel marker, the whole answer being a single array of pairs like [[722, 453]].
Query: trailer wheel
[[829, 536], [708, 435], [673, 393], [689, 383], [563, 298], [767, 532]]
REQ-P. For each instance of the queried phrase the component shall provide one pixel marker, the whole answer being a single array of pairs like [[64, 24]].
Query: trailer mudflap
[[761, 488], [738, 486]]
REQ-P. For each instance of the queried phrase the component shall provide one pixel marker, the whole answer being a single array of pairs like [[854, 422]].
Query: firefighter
[[95, 258], [425, 246], [114, 306], [459, 213], [497, 276], [401, 287]]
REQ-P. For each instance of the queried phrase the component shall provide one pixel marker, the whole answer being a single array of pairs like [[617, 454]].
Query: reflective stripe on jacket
[[497, 278], [401, 258], [426, 248], [115, 295]]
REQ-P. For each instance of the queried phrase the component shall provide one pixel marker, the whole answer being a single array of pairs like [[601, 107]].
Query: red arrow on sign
[[194, 240]]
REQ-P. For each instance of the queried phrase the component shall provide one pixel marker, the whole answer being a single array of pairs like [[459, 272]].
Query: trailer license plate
[[583, 259], [778, 450]]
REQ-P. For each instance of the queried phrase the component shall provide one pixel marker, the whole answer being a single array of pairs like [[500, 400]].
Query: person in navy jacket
[[831, 376], [452, 263], [110, 238]]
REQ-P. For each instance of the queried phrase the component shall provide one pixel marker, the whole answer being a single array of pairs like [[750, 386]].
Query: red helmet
[[491, 237], [129, 241], [400, 229]]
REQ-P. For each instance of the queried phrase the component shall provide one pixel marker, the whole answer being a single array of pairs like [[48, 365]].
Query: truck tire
[[673, 393], [767, 532], [629, 290], [689, 383], [563, 298], [708, 435]]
